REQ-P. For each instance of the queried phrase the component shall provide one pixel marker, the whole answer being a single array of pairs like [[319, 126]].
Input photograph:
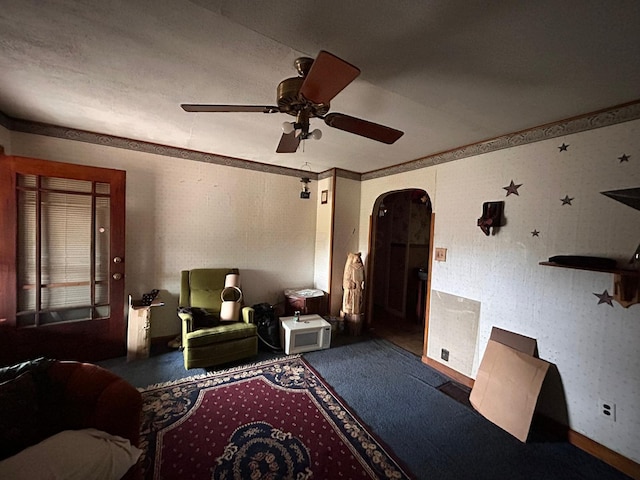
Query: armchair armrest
[[187, 320]]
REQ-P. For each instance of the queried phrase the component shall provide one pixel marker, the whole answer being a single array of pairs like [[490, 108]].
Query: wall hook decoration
[[491, 217]]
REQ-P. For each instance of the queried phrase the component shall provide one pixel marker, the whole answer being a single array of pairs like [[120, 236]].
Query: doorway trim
[[427, 310], [370, 262]]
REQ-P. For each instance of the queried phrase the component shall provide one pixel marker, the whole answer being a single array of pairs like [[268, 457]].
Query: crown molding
[[37, 128], [339, 172], [602, 118], [6, 122]]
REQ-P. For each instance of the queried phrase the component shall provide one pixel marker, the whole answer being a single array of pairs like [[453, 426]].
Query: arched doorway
[[399, 262]]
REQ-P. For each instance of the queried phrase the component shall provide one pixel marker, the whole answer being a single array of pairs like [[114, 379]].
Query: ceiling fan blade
[[288, 143], [327, 77], [363, 128], [197, 107]]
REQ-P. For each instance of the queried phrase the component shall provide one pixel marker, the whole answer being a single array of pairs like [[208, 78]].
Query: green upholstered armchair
[[223, 343]]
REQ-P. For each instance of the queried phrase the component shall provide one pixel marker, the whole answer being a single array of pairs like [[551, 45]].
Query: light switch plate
[[441, 254]]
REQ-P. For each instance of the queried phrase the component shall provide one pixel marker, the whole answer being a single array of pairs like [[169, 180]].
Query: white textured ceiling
[[447, 73]]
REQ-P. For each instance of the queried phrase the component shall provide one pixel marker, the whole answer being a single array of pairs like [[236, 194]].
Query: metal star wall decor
[[604, 297], [624, 158], [535, 233], [563, 147], [512, 188], [566, 200]]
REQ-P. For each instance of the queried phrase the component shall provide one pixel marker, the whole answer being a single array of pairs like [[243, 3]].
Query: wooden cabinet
[[306, 305]]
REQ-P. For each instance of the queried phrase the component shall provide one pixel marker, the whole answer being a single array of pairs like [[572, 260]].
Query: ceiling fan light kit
[[288, 127], [308, 96], [305, 193]]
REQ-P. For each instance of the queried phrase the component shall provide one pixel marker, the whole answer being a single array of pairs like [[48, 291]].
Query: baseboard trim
[[615, 459]]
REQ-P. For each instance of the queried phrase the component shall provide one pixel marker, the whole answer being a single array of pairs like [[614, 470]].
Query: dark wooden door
[[61, 260]]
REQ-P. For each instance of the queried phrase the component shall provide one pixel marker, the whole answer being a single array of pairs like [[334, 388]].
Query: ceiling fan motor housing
[[290, 101]]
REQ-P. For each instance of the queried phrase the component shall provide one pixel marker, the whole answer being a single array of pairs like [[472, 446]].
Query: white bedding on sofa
[[87, 454]]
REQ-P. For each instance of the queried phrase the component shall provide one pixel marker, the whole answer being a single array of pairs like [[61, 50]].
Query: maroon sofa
[[68, 396]]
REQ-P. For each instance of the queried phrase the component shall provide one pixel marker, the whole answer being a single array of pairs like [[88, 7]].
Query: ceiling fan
[[307, 96]]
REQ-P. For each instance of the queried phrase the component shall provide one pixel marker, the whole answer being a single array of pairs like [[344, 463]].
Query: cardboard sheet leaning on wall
[[508, 382]]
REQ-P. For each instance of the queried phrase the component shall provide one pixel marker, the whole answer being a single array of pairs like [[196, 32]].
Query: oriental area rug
[[276, 419]]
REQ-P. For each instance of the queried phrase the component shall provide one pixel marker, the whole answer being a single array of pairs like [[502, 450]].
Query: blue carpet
[[165, 367], [435, 436], [396, 395]]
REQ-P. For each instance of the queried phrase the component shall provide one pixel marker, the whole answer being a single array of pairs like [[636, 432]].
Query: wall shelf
[[626, 283], [619, 271]]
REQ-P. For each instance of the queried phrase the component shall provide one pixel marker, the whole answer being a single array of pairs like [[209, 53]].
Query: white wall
[[184, 214], [595, 347], [345, 235], [323, 236], [336, 234]]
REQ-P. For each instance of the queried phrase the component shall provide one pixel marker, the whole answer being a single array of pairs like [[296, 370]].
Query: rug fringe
[[217, 372]]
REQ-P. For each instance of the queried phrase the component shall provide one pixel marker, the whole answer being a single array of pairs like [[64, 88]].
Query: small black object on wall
[[491, 217]]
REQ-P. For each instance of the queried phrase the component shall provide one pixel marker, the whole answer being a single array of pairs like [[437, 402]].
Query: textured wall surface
[[593, 345], [323, 235], [183, 214], [345, 235]]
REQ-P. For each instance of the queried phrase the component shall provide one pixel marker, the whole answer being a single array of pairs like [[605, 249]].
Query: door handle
[[117, 259], [117, 276]]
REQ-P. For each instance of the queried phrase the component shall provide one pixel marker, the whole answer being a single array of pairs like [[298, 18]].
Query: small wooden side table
[[306, 305], [138, 330]]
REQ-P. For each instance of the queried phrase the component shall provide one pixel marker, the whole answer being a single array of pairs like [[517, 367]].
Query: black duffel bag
[[268, 327]]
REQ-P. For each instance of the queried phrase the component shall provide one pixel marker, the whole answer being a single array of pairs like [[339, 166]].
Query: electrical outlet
[[444, 354], [441, 254], [607, 409]]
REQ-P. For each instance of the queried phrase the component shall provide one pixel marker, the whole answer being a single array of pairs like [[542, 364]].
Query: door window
[[63, 250]]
